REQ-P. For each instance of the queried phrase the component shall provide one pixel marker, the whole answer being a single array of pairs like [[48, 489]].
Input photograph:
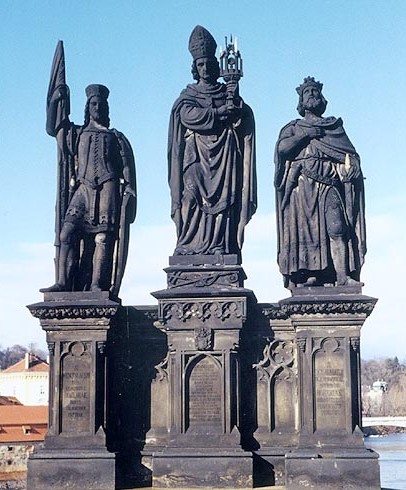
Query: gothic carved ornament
[[202, 310], [276, 354], [83, 312], [161, 370], [199, 279], [203, 338], [285, 310]]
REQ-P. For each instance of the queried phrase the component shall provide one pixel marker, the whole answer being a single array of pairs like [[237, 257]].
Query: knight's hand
[[129, 190], [60, 93]]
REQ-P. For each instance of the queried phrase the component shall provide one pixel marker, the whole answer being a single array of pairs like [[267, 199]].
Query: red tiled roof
[[17, 434], [22, 423], [23, 414], [36, 365]]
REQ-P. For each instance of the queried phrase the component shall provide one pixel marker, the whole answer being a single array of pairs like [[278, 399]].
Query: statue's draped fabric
[[211, 172], [326, 173]]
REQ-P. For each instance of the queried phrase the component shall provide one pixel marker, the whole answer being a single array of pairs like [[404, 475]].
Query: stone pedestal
[[330, 453], [202, 313], [74, 454]]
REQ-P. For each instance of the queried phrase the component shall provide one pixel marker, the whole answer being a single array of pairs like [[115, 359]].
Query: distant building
[[27, 380], [21, 429], [374, 398], [380, 385]]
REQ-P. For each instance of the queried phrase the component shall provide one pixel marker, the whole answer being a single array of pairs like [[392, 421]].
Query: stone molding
[[83, 312], [338, 307]]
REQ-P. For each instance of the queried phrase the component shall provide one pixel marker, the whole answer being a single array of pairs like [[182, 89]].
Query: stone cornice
[[315, 306], [49, 312]]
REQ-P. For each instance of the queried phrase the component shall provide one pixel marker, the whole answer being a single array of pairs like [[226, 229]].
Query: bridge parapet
[[387, 421]]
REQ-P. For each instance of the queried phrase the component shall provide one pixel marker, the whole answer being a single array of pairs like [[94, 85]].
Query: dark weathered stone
[[96, 199], [214, 276], [76, 470], [271, 340], [199, 383], [203, 468], [320, 198], [74, 453], [347, 469], [330, 453], [211, 155]]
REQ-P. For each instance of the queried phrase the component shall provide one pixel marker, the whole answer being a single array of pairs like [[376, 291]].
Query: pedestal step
[[340, 470], [76, 470], [203, 468]]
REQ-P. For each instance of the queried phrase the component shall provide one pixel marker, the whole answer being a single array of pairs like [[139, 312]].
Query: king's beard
[[314, 105]]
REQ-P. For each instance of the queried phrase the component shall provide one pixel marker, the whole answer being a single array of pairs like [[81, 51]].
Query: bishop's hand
[[226, 112]]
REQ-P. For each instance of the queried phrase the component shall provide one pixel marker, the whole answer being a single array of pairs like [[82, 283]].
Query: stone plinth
[[202, 312], [74, 454], [330, 453]]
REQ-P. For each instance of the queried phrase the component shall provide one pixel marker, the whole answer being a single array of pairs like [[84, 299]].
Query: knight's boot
[[65, 265], [101, 264], [339, 254]]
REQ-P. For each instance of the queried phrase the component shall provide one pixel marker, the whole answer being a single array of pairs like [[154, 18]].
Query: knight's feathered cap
[[97, 89], [201, 43], [309, 81]]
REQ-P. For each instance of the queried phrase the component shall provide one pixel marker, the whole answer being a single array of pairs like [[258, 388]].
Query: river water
[[392, 460]]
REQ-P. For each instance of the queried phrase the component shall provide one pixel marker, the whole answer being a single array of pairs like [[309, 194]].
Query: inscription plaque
[[76, 369], [205, 393], [330, 390]]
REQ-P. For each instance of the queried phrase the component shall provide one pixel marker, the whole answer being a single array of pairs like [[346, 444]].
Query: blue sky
[[139, 50]]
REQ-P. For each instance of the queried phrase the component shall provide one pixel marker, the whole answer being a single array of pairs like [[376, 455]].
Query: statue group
[[212, 179], [229, 392]]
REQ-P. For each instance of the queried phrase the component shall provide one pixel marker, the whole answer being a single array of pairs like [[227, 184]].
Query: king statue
[[319, 198], [96, 197], [211, 156]]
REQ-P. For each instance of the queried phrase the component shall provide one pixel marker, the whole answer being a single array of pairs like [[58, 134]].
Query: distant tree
[[397, 396], [393, 372], [12, 355]]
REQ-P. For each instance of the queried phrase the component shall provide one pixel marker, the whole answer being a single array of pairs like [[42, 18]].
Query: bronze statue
[[320, 197], [211, 156], [96, 197]]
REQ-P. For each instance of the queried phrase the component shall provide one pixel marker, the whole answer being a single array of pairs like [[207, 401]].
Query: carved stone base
[[330, 454], [344, 469], [74, 455], [76, 470], [202, 468], [204, 271], [199, 380]]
